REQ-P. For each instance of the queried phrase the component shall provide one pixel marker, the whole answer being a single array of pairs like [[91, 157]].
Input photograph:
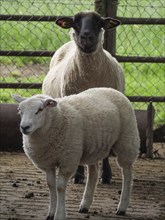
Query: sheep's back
[[101, 113]]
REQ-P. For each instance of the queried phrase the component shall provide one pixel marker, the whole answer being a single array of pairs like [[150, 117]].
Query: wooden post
[[110, 37], [100, 7], [108, 8], [149, 132], [10, 135]]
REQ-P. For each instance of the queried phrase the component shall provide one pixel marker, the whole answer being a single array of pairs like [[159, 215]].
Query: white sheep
[[79, 129], [82, 63]]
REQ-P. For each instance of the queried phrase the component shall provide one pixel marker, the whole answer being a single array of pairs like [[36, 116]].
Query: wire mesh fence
[[138, 40], [143, 40]]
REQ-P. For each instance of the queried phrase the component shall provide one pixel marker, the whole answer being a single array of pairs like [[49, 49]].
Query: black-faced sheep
[[82, 63], [79, 129]]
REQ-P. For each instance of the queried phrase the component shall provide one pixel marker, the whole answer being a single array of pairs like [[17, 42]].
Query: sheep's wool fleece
[[72, 71], [82, 128]]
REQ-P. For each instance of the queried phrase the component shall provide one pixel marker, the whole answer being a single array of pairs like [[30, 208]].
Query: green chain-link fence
[[137, 40]]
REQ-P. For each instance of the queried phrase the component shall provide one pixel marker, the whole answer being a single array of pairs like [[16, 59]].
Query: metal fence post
[[149, 131], [108, 8], [100, 7], [111, 11]]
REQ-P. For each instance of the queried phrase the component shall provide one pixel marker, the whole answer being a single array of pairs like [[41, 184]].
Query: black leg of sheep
[[79, 176], [106, 175], [50, 218]]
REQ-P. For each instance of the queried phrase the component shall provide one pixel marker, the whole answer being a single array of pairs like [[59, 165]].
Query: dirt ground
[[24, 193]]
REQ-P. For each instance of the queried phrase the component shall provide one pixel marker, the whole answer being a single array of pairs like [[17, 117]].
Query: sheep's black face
[[87, 28], [87, 31]]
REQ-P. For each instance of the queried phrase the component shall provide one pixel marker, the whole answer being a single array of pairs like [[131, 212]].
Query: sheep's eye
[[39, 110]]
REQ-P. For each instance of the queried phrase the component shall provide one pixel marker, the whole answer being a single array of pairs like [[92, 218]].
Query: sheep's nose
[[86, 35], [25, 128]]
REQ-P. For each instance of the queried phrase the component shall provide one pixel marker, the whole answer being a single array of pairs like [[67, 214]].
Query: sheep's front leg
[[126, 190], [51, 182], [61, 191], [89, 188]]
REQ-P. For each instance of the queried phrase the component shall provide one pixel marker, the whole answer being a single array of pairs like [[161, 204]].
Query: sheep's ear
[[65, 22], [50, 103], [109, 23], [18, 98]]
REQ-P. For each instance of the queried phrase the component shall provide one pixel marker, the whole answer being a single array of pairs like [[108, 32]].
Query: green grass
[[36, 35], [5, 96], [148, 81], [142, 8], [141, 40], [134, 40], [145, 79]]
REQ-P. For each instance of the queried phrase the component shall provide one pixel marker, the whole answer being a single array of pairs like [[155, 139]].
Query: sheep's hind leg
[[126, 190], [92, 178], [106, 172], [51, 182], [50, 218], [79, 176]]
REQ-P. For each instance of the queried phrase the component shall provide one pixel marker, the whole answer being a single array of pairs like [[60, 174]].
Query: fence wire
[[142, 79]]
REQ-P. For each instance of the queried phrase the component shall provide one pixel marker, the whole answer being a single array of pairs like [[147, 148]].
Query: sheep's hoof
[[120, 212], [105, 180], [83, 210], [49, 217], [78, 180], [79, 176]]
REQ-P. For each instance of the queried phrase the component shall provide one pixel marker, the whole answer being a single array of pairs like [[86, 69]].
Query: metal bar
[[140, 59], [110, 35], [100, 9], [27, 18], [146, 98], [26, 53], [50, 53], [20, 85], [148, 21], [39, 86]]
